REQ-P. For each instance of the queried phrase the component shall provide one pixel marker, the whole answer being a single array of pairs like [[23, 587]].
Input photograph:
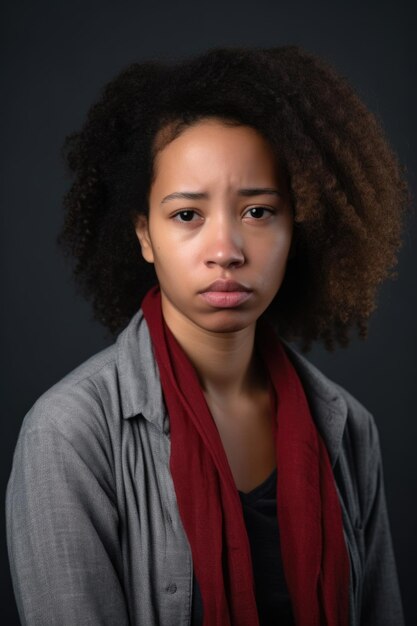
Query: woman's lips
[[226, 293], [226, 299]]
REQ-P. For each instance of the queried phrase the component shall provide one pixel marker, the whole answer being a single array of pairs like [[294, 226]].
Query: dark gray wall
[[55, 58]]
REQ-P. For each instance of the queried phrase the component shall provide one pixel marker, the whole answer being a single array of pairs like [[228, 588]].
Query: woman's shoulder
[[93, 397], [340, 416], [350, 433], [75, 402]]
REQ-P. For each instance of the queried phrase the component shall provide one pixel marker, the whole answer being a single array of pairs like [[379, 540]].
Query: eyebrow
[[200, 195]]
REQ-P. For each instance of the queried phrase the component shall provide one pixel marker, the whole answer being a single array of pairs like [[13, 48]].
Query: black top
[[272, 598]]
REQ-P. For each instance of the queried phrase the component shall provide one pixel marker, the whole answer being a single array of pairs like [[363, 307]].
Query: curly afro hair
[[347, 189]]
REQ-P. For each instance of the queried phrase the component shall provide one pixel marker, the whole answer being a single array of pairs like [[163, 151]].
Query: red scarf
[[314, 554]]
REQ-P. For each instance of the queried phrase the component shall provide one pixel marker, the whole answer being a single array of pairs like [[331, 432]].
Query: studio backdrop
[[56, 56]]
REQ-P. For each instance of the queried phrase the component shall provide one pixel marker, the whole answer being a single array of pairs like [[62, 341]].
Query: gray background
[[55, 58]]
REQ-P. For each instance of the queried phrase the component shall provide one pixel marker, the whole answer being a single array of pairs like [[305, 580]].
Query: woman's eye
[[259, 211], [184, 216]]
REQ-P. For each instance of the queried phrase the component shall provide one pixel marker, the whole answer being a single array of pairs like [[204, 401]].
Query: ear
[[142, 233]]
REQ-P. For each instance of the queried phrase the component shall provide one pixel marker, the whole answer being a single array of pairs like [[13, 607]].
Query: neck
[[225, 363]]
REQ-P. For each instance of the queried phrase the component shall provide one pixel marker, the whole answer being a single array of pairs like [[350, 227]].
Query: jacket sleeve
[[62, 534], [381, 598]]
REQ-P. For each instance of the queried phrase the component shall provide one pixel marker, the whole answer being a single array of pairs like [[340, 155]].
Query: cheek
[[276, 250], [179, 249], [172, 258], [273, 259]]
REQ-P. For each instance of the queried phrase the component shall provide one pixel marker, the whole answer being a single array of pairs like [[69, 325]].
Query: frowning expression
[[220, 226]]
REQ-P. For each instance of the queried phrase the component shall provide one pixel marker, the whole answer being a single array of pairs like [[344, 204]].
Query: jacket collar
[[326, 401], [140, 387], [141, 391]]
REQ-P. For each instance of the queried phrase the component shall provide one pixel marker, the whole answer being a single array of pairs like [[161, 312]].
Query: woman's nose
[[224, 246]]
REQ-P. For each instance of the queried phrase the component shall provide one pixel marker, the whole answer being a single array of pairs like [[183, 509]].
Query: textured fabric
[[314, 553], [93, 531], [260, 512], [313, 548], [272, 598]]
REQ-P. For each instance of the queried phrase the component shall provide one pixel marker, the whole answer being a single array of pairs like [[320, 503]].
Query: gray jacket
[[93, 530]]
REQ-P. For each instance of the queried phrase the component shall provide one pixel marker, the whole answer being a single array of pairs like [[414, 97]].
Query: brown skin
[[223, 239]]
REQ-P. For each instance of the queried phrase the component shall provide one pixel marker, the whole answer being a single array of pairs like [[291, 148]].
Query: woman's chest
[[247, 436]]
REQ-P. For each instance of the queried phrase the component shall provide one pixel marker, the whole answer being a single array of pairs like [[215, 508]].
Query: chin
[[227, 322]]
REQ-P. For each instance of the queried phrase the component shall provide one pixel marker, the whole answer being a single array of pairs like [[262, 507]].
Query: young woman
[[200, 470]]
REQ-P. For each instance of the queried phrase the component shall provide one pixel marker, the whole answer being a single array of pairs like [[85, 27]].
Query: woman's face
[[219, 210]]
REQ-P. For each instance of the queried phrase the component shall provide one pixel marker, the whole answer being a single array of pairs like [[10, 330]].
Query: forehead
[[212, 143], [172, 130]]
